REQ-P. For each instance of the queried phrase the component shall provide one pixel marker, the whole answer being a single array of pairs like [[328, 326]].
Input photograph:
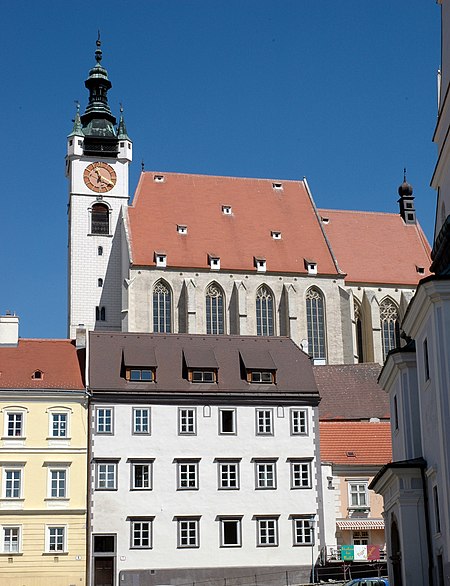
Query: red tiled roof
[[373, 247], [196, 201], [355, 442], [56, 359], [351, 391]]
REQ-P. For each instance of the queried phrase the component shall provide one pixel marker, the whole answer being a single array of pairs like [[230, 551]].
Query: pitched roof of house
[[373, 247], [355, 442], [173, 354], [257, 209], [56, 360], [350, 391]]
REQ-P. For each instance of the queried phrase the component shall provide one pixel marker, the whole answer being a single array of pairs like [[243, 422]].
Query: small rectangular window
[[56, 539], [230, 532], [261, 376], [265, 475], [303, 531], [437, 514], [300, 474], [187, 421], [141, 420], [145, 375], [395, 413], [12, 483], [358, 495], [11, 539], [267, 532], [14, 425], [141, 534], [187, 475], [264, 422], [141, 475], [227, 421], [58, 483], [299, 422], [104, 420], [188, 532], [426, 362], [228, 475], [106, 476], [202, 376], [59, 424]]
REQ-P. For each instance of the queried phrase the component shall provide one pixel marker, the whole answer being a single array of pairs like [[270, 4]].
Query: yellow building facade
[[43, 463]]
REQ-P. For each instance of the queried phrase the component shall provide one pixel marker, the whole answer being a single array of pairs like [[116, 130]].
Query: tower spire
[[406, 201], [122, 129]]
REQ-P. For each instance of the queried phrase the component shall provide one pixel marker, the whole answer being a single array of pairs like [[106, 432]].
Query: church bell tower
[[99, 152]]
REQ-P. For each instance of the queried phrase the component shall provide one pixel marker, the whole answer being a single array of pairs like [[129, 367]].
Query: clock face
[[100, 177]]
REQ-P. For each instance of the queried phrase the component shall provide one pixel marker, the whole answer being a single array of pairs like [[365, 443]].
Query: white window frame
[[298, 475], [234, 420], [265, 474], [57, 469], [9, 528], [238, 522], [299, 427], [188, 532], [185, 426], [143, 463], [267, 531], [134, 522], [103, 428], [361, 490], [225, 475], [109, 466], [14, 411], [303, 531], [264, 421], [49, 529], [57, 411], [187, 474], [136, 411], [9, 484]]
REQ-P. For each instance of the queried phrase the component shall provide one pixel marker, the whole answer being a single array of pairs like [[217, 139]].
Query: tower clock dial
[[99, 177]]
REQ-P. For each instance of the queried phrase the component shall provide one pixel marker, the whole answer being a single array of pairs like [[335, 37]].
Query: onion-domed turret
[[406, 201]]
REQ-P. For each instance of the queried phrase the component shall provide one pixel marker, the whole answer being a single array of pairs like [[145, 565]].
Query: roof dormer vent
[[159, 178], [311, 266], [277, 185], [181, 229], [276, 234], [161, 259], [226, 210], [420, 270], [260, 264], [214, 262]]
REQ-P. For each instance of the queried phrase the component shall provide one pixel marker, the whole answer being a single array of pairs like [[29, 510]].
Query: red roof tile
[[351, 391], [257, 209], [374, 247], [57, 360], [355, 442]]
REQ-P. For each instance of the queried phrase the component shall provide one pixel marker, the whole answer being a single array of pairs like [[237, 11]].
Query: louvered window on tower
[[100, 219]]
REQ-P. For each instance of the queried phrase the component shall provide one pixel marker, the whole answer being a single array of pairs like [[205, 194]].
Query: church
[[199, 254]]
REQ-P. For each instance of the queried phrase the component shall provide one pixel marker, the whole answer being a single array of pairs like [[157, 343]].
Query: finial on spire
[[77, 105], [142, 165], [121, 107], [404, 174], [98, 51]]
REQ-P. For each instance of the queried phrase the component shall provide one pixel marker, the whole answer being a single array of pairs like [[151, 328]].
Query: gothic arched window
[[359, 331], [315, 318], [99, 219], [162, 308], [390, 329], [214, 310], [264, 312]]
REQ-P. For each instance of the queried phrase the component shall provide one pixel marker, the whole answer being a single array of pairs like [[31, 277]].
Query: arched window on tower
[[162, 308], [99, 219], [264, 312], [359, 331], [390, 329], [214, 310], [315, 318]]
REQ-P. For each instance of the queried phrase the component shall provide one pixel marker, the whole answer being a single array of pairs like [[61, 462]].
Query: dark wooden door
[[103, 571]]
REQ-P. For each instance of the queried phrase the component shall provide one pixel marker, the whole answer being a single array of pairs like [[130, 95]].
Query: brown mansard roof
[[56, 360], [351, 391], [370, 247], [292, 366]]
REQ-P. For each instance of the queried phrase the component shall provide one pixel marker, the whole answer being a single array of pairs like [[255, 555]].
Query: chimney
[[9, 330], [80, 337]]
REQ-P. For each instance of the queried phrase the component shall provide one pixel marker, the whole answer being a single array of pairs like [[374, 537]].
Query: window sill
[[55, 553], [58, 438], [11, 554], [103, 235]]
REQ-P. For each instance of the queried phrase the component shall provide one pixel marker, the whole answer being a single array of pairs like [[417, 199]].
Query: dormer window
[[226, 210], [311, 266], [202, 375], [261, 376], [277, 185], [214, 262], [158, 178], [260, 264], [276, 235], [144, 374], [325, 220], [37, 375], [181, 229], [160, 259], [420, 270]]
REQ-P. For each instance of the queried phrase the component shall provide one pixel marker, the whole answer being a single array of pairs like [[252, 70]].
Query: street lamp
[[312, 524]]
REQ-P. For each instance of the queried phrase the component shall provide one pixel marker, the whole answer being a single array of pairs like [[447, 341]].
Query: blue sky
[[343, 93]]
